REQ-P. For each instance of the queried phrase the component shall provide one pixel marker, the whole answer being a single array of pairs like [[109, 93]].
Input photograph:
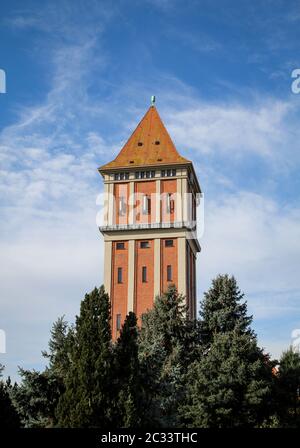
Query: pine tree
[[230, 384], [168, 341], [36, 398], [288, 389], [87, 399], [128, 390], [222, 311], [9, 418]]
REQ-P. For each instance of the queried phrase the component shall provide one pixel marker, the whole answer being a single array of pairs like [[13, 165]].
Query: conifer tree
[[230, 385], [87, 398], [222, 310], [288, 389], [9, 418], [168, 341], [36, 397], [128, 391]]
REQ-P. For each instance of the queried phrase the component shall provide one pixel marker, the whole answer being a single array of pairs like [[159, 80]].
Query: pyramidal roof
[[150, 144]]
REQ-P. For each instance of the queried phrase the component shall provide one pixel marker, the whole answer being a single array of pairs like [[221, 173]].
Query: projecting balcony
[[189, 225]]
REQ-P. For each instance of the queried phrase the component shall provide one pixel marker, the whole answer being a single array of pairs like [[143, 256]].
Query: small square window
[[120, 246], [169, 243], [145, 245]]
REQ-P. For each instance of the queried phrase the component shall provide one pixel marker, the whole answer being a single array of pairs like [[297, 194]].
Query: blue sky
[[79, 78]]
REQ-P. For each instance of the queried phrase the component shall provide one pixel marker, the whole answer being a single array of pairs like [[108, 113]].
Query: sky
[[79, 76]]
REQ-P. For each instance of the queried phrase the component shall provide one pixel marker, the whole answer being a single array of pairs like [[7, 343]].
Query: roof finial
[[152, 100]]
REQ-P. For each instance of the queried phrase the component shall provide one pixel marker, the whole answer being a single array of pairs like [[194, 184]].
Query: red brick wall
[[119, 291], [169, 256], [144, 292]]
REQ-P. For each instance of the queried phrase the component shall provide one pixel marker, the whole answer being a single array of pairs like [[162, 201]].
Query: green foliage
[[171, 372], [230, 386], [167, 344], [9, 418], [288, 389], [222, 311], [128, 390], [86, 400], [37, 396]]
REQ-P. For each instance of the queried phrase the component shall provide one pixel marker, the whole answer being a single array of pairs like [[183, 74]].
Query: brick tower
[[149, 227]]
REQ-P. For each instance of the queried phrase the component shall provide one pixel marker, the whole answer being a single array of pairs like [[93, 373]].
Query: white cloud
[[258, 241]]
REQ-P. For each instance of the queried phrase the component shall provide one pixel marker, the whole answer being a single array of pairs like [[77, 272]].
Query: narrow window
[[152, 174], [168, 173], [169, 243], [146, 204], [145, 244], [127, 174], [120, 275], [122, 205], [170, 203], [169, 273], [120, 246], [163, 173], [118, 322], [173, 172], [144, 274]]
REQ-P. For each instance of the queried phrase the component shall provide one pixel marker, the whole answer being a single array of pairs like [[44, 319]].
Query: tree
[[9, 418], [86, 401], [168, 341], [230, 384], [222, 311], [36, 398], [129, 389], [288, 388]]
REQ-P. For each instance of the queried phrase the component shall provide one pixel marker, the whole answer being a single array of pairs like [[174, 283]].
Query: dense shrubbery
[[172, 372]]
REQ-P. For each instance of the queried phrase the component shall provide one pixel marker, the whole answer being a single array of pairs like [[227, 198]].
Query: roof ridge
[[149, 144]]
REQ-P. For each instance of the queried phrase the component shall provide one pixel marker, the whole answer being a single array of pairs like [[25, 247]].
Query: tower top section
[[150, 144]]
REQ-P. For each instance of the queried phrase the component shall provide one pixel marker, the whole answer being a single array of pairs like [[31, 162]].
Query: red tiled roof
[[149, 144]]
